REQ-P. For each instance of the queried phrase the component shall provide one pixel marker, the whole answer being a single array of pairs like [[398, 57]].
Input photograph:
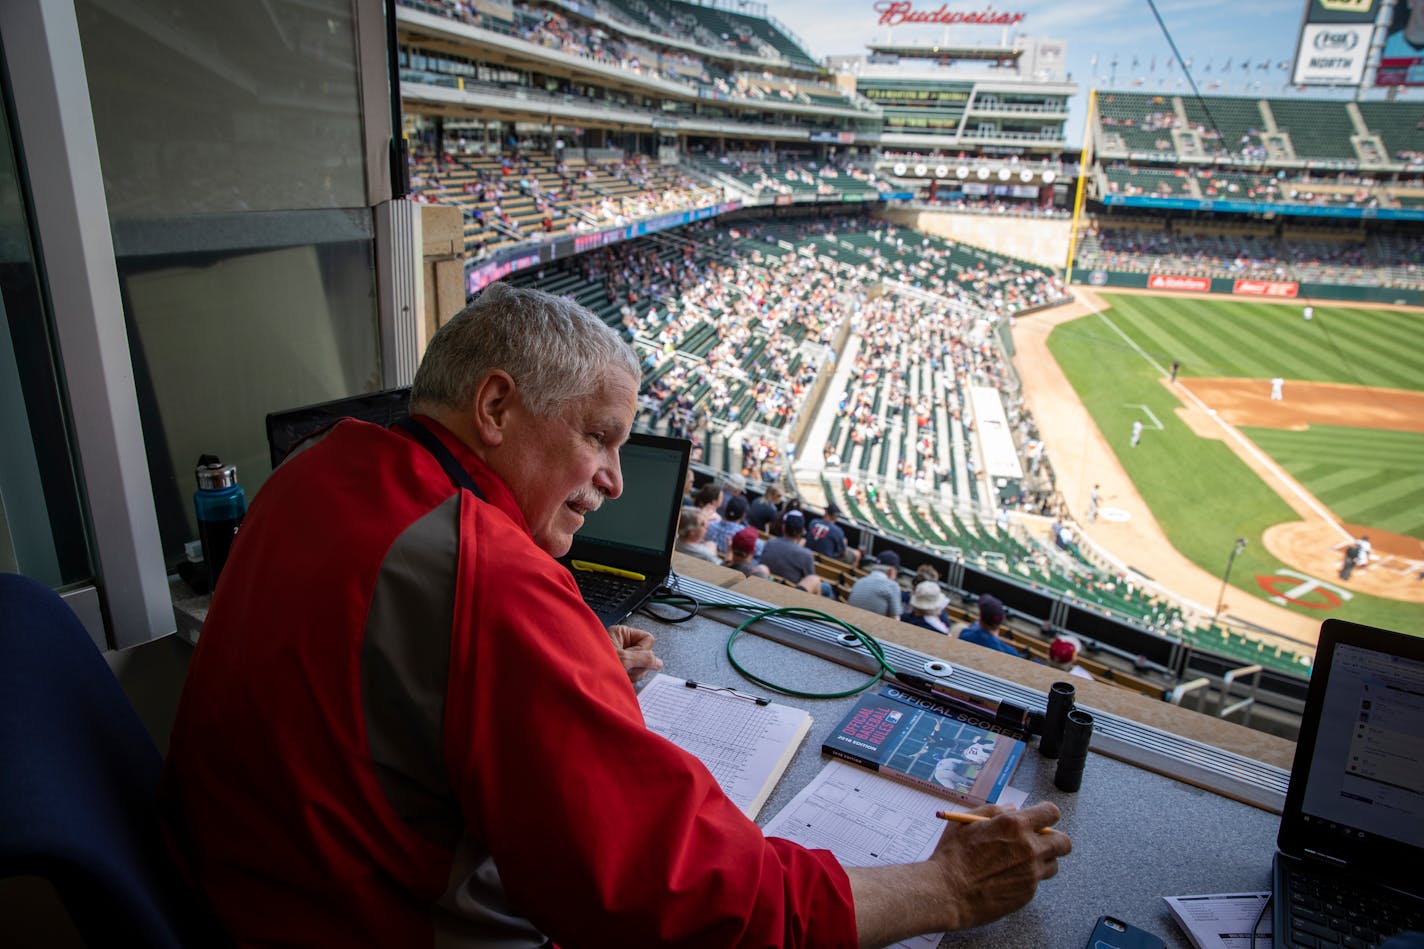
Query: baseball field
[[1338, 454]]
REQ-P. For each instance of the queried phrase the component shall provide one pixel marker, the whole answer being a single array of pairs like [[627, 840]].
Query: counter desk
[[1158, 813], [1172, 802]]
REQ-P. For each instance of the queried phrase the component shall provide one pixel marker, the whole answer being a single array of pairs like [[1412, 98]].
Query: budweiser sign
[[1266, 288], [1159, 281], [897, 12]]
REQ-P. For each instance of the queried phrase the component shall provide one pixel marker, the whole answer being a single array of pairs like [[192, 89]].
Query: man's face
[[563, 465]]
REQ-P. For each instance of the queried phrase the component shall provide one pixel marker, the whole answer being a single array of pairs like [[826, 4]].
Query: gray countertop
[[1138, 834], [1145, 824]]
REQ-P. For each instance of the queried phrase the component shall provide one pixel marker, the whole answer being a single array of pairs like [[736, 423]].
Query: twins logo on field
[[1298, 589]]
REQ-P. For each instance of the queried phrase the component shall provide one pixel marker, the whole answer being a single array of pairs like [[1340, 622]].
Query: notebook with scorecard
[[623, 552], [1354, 810]]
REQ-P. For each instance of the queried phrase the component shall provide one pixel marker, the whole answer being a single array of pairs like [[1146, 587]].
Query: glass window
[[42, 525], [217, 107], [231, 142]]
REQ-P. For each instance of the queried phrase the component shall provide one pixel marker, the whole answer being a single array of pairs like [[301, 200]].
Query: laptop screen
[[1369, 755], [643, 519], [1357, 785]]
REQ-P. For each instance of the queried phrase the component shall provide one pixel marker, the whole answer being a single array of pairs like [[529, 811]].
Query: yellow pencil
[[964, 817]]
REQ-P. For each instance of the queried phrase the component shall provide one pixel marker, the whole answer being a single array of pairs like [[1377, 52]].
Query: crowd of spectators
[[736, 324], [554, 195], [759, 309], [990, 282], [1157, 121], [1371, 261], [788, 175], [1344, 189], [907, 380], [907, 373], [553, 30]]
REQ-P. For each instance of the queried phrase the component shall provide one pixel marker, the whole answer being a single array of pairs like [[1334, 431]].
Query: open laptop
[[623, 552], [1354, 811]]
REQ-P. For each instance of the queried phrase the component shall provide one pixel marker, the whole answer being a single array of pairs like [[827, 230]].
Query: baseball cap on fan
[[991, 609], [744, 541], [1064, 648]]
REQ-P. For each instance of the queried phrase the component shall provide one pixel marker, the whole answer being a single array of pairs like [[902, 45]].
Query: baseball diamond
[[1338, 456]]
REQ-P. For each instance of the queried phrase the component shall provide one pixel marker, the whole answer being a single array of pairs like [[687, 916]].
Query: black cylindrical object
[[1060, 702], [1073, 754]]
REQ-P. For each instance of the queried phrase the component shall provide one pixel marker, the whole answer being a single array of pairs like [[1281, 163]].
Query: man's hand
[[635, 651], [994, 867], [978, 873]]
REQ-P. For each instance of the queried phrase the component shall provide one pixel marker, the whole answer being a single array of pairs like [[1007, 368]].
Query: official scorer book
[[934, 746]]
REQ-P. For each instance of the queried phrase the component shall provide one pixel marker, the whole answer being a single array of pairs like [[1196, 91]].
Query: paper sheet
[[746, 746], [1222, 920], [867, 820]]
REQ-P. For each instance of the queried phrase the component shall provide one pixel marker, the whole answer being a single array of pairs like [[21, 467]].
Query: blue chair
[[79, 784]]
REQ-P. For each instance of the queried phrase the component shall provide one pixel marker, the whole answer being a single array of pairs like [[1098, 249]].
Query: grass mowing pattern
[[1366, 476], [1263, 340], [1203, 496]]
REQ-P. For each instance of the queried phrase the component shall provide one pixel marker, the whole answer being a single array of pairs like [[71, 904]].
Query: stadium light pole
[[1226, 577]]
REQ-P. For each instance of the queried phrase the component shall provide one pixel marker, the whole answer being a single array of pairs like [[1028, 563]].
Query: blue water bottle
[[220, 504]]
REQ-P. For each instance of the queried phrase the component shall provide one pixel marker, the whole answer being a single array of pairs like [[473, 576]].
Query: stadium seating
[[1151, 181], [1383, 260], [1317, 129], [741, 325], [1227, 124], [1137, 123], [1399, 127], [532, 196]]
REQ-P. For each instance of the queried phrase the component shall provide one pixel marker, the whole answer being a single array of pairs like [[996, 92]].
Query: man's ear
[[494, 397]]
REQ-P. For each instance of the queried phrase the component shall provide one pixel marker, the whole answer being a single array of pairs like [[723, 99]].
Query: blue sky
[[1213, 34]]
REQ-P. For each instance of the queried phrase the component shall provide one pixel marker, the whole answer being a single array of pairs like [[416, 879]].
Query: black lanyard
[[459, 477]]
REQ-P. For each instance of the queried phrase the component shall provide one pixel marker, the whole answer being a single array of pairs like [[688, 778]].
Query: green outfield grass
[[1201, 493], [1263, 340], [1366, 476]]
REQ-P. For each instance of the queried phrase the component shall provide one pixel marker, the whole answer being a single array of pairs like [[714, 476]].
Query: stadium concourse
[[1213, 408]]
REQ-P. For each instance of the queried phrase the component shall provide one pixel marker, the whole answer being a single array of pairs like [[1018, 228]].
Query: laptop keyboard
[[602, 591], [1330, 911]]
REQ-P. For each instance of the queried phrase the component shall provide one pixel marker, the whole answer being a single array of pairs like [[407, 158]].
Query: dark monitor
[[286, 428]]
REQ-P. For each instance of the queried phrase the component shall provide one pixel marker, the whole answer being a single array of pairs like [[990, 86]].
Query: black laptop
[[1350, 856], [623, 552]]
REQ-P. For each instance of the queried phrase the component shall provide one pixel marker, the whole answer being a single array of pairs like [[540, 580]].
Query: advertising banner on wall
[[1402, 58], [1334, 42], [1266, 288], [1162, 281]]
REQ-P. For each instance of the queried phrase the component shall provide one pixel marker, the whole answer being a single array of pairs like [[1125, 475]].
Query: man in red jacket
[[403, 727]]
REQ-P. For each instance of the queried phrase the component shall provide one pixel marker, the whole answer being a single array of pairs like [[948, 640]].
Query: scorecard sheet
[[746, 744], [867, 820]]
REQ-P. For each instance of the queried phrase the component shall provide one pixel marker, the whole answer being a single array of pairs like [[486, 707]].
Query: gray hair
[[688, 522], [555, 350]]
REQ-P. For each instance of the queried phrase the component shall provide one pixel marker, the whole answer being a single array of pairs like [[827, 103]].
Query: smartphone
[[1113, 933]]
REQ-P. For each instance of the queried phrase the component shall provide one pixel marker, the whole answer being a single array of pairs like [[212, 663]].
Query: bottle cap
[[216, 476]]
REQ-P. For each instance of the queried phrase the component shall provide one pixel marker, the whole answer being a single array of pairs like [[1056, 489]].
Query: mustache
[[590, 500]]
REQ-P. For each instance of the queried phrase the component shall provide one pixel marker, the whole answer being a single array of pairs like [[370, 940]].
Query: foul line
[[1231, 431], [1150, 414]]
